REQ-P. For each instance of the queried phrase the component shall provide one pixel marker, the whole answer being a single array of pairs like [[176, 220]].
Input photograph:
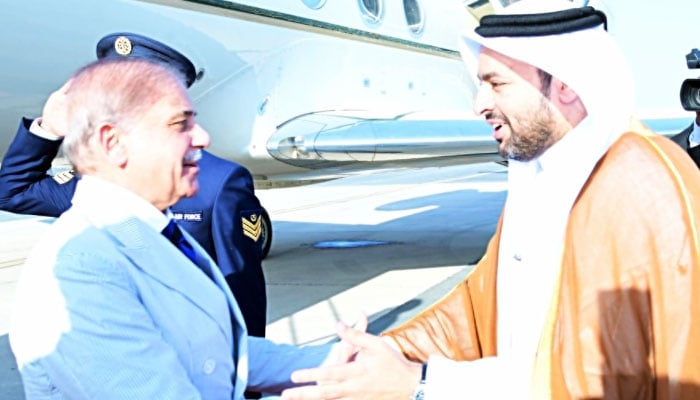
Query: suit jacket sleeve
[[239, 255], [271, 364], [25, 186], [106, 352]]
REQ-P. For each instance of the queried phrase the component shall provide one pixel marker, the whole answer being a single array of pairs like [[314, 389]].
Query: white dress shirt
[[123, 203]]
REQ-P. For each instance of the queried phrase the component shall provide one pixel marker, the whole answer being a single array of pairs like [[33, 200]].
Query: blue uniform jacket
[[224, 217]]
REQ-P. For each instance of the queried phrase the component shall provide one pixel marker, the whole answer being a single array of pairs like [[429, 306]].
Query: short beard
[[530, 140]]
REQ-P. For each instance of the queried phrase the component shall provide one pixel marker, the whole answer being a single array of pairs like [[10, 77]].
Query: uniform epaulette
[[64, 177]]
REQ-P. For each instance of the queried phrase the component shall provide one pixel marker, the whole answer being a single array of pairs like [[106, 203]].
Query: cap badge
[[123, 46]]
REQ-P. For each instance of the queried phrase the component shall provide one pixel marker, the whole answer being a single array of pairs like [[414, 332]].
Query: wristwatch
[[418, 391]]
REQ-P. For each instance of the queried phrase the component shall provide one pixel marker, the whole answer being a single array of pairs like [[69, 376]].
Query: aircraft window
[[414, 15], [371, 10], [314, 3]]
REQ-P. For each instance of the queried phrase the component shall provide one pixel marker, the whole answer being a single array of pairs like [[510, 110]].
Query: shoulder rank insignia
[[252, 226], [64, 177]]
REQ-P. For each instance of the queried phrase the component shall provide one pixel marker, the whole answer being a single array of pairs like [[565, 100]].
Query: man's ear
[[113, 144], [565, 93]]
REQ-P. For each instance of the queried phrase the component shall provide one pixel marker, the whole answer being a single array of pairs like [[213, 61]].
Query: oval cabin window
[[371, 10], [414, 15]]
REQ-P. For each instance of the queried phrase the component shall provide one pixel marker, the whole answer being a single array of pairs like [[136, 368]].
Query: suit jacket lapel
[[153, 254], [208, 265], [240, 349], [156, 256]]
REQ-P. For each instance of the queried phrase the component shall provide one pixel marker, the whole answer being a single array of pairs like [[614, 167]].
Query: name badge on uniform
[[251, 224], [187, 216]]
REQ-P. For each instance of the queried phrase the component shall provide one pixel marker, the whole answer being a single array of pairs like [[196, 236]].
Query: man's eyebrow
[[487, 76], [177, 118]]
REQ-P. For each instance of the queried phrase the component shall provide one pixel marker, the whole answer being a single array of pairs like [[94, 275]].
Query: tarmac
[[383, 243]]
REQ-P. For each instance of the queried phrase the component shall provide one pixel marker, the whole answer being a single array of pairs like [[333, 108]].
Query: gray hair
[[112, 91]]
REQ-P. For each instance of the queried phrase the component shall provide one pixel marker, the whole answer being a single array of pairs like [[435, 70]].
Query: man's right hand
[[378, 372], [54, 117]]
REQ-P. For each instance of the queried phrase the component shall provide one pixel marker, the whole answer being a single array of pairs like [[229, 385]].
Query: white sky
[[656, 36]]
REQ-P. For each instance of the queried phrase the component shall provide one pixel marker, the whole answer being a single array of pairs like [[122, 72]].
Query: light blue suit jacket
[[117, 312]]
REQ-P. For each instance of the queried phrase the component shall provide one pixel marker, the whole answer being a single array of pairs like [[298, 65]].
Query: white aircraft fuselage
[[267, 64], [287, 86]]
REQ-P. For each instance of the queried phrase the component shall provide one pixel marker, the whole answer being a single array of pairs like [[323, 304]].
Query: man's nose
[[200, 137], [483, 101]]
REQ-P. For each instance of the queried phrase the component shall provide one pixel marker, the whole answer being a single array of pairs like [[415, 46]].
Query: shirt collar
[[111, 203]]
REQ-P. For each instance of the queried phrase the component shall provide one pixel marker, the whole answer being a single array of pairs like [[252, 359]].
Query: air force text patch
[[252, 226], [189, 216]]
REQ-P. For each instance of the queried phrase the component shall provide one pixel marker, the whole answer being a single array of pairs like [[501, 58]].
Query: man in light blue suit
[[216, 217], [107, 307]]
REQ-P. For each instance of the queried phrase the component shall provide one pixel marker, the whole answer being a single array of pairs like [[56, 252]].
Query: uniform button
[[517, 257], [209, 366]]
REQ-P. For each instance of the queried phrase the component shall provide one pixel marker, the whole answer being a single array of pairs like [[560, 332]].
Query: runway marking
[[12, 263], [348, 244]]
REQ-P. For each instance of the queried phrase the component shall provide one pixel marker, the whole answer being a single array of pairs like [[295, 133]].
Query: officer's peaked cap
[[133, 45]]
